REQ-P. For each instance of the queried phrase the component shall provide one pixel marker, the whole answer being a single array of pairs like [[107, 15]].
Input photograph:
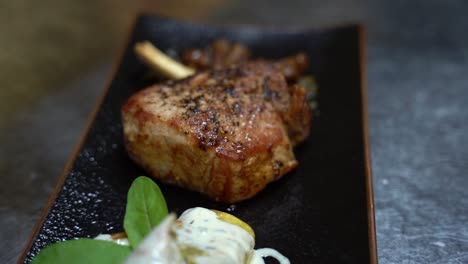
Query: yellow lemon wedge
[[229, 218]]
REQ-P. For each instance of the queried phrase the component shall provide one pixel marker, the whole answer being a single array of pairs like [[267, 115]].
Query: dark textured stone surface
[[418, 109], [35, 148]]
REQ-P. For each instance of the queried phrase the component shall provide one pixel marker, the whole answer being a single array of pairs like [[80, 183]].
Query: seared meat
[[223, 53], [220, 54], [292, 67], [225, 133]]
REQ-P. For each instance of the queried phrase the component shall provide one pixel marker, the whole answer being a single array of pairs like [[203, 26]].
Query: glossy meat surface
[[226, 133]]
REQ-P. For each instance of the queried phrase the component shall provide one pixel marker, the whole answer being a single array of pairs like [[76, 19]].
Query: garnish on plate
[[146, 208], [198, 236]]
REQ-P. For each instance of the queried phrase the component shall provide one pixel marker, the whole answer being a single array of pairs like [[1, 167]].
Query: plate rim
[[361, 31], [372, 239]]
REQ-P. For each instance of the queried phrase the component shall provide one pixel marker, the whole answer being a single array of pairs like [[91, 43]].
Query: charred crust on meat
[[277, 166], [231, 91], [236, 108], [268, 93], [192, 105], [213, 116]]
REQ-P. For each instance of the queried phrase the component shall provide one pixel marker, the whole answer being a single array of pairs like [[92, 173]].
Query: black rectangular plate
[[320, 213]]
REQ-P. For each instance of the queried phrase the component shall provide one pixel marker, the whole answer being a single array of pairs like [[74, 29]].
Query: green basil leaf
[[83, 250], [146, 208]]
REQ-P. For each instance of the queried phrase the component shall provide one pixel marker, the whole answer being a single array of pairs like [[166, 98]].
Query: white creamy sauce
[[203, 237], [268, 252], [222, 242]]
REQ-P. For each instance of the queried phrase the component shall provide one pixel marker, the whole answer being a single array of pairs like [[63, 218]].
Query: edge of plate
[[373, 258], [58, 187]]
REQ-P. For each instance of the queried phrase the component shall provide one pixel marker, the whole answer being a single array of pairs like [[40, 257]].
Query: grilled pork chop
[[223, 53], [226, 133]]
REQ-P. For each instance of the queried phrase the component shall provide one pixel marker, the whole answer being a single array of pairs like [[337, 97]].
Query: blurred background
[[56, 55]]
